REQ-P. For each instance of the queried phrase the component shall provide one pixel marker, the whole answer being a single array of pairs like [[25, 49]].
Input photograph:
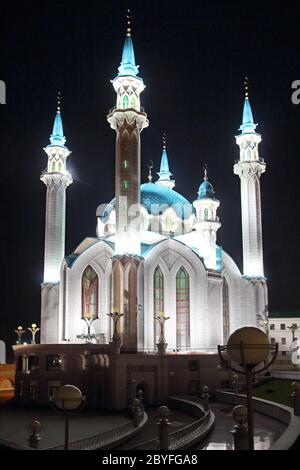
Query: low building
[[284, 329], [109, 379]]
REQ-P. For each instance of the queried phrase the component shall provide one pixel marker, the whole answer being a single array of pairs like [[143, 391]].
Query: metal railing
[[100, 441], [179, 438], [189, 432]]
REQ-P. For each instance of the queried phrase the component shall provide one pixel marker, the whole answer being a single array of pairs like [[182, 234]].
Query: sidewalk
[[14, 420]]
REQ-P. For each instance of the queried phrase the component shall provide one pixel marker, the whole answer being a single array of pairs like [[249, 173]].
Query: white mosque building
[[153, 251]]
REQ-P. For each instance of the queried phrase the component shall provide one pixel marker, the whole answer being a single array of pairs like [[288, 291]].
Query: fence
[[185, 437], [106, 439]]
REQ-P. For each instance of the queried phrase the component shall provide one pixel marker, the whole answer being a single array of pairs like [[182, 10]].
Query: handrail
[[177, 438], [183, 436], [104, 439]]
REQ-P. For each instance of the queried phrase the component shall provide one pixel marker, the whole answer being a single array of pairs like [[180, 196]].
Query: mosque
[[154, 261]]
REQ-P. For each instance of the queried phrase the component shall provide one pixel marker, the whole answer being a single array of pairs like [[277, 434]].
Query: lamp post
[[33, 331], [20, 333], [248, 347], [162, 345], [115, 315], [66, 399]]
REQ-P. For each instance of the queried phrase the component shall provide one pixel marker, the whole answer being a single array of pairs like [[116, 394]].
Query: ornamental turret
[[250, 167], [207, 222], [128, 120]]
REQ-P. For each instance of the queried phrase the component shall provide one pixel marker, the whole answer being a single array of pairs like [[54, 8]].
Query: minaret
[[249, 168], [128, 120], [164, 172], [57, 179], [207, 222]]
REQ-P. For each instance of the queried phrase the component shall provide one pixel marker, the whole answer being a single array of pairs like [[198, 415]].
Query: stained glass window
[[125, 102], [182, 309], [158, 299], [90, 293]]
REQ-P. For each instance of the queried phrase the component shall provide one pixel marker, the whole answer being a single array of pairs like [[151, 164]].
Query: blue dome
[[206, 191], [156, 199]]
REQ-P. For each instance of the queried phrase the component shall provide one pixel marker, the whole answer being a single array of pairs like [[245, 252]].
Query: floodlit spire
[[128, 66], [248, 125], [57, 136], [164, 173]]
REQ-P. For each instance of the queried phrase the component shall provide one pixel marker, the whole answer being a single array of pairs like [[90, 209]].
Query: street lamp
[[248, 347], [33, 331], [20, 333], [66, 399]]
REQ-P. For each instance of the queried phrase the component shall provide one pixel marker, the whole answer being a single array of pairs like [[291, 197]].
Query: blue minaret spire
[[248, 125], [128, 65], [57, 137], [164, 172]]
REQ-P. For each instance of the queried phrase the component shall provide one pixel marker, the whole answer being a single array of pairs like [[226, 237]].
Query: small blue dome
[[206, 191], [156, 199]]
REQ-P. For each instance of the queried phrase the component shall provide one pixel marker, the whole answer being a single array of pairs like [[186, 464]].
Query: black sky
[[193, 56]]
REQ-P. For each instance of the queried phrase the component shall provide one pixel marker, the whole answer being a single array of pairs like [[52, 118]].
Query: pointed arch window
[[205, 214], [53, 166], [133, 102], [158, 300], [182, 309], [226, 319], [90, 293], [125, 102]]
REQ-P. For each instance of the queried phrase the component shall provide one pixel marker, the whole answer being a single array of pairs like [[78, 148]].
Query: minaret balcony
[[119, 116]]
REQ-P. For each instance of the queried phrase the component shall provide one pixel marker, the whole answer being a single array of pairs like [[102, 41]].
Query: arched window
[[53, 166], [226, 322], [182, 309], [205, 214], [158, 300], [60, 166], [133, 102], [125, 102], [90, 293]]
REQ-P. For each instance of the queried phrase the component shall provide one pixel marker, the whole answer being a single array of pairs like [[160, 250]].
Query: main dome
[[156, 199]]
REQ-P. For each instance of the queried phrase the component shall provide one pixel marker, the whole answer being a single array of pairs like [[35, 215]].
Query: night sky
[[193, 57]]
